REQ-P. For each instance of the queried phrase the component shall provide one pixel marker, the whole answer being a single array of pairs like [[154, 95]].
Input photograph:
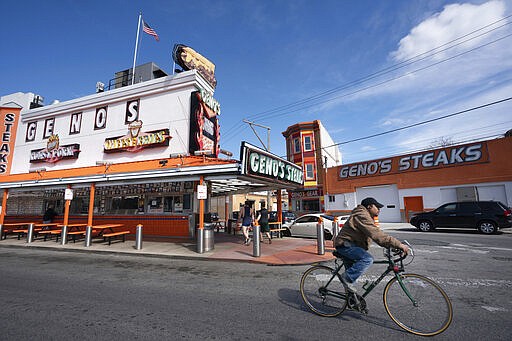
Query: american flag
[[149, 30]]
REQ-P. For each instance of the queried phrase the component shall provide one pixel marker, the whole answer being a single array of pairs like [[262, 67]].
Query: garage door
[[386, 195]]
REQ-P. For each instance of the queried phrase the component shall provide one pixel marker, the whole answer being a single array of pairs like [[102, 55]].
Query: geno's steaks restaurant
[[139, 154]]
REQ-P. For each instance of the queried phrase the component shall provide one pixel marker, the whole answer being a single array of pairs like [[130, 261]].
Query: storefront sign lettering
[[5, 147], [204, 125], [210, 101], [445, 157], [136, 143], [54, 151], [312, 193], [260, 163]]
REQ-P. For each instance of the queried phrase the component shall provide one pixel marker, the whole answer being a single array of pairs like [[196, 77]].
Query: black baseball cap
[[371, 201]]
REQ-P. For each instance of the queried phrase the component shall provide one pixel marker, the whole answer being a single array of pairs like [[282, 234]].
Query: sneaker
[[270, 241], [350, 286]]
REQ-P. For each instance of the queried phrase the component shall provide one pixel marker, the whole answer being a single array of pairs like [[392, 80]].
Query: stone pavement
[[227, 247]]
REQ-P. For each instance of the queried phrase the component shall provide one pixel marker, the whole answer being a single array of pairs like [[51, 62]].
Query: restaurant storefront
[[411, 183], [140, 154]]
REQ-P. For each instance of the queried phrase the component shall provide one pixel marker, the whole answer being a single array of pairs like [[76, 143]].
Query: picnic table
[[107, 232], [14, 228]]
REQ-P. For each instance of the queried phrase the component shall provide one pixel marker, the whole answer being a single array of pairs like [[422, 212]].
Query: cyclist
[[355, 237]]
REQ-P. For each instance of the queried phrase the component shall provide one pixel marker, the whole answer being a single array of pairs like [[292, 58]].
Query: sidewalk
[[227, 247]]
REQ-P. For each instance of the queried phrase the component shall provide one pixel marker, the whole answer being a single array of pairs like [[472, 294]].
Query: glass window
[[468, 207], [447, 208], [296, 145], [332, 198], [308, 146], [310, 174]]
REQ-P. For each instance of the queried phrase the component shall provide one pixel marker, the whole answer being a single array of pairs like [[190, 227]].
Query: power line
[[410, 61], [419, 123], [387, 70]]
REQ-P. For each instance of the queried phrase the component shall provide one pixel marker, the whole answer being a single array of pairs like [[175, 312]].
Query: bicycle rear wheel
[[323, 294], [432, 311]]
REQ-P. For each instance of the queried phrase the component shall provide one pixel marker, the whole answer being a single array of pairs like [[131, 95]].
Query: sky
[[384, 77]]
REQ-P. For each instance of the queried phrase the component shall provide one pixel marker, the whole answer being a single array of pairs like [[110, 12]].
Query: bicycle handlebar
[[392, 252]]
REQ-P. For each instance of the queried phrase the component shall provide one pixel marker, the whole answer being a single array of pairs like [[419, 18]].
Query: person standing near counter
[[49, 214]]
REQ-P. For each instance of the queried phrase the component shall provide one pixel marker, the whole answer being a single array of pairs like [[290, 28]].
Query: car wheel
[[287, 233], [487, 227], [425, 226], [327, 235]]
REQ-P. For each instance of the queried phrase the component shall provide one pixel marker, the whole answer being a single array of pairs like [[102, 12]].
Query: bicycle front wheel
[[420, 307], [322, 291]]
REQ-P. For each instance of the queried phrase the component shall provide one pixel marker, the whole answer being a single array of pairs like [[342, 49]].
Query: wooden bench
[[75, 234], [50, 233], [115, 234], [22, 232], [279, 231]]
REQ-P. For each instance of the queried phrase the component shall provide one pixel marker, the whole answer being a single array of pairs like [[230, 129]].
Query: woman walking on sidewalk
[[247, 221]]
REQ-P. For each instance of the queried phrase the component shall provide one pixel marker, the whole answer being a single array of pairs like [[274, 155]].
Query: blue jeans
[[361, 259]]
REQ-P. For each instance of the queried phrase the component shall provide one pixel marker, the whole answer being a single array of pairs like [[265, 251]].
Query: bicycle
[[414, 302]]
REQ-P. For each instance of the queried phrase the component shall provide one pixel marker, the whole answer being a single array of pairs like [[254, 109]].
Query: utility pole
[[256, 243], [267, 148]]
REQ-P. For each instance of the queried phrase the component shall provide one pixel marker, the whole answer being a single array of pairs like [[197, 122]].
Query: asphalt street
[[50, 295]]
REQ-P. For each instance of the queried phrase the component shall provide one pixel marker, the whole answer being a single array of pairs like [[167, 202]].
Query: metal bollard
[[320, 238], [64, 235], [138, 237], [335, 228], [30, 233], [88, 236], [256, 248], [200, 240]]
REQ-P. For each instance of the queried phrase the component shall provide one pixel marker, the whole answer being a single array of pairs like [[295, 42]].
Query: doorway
[[412, 205]]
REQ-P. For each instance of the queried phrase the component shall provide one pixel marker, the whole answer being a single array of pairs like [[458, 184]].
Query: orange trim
[[8, 129], [126, 167], [4, 205], [91, 205]]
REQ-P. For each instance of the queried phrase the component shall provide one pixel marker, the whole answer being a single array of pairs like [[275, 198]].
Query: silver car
[[306, 225]]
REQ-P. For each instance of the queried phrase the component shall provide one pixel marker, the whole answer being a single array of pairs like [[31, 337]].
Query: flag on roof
[[146, 28]]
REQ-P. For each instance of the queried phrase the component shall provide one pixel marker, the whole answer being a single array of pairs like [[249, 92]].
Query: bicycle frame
[[392, 267]]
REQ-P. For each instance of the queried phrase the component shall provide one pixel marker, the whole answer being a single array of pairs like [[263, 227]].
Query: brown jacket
[[360, 229]]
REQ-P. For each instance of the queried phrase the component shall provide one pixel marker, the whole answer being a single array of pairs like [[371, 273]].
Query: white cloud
[[456, 20]]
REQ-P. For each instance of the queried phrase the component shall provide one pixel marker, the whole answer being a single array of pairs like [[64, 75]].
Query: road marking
[[474, 282], [470, 249], [493, 309]]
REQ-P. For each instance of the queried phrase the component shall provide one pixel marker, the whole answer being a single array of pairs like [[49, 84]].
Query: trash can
[[209, 239]]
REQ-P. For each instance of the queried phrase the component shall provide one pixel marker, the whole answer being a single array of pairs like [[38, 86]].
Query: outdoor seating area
[[54, 231]]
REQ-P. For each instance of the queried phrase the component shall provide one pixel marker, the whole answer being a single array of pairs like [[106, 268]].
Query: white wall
[[164, 103], [432, 197]]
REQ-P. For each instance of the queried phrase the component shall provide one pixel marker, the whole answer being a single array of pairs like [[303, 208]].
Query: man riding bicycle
[[355, 237]]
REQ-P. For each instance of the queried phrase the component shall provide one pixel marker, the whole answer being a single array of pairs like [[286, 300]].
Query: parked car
[[287, 217], [306, 226], [211, 217], [486, 216]]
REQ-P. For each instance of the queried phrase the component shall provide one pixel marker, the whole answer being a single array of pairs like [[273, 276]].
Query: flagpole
[[136, 46]]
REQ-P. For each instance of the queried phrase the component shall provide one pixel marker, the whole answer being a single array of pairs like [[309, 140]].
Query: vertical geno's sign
[[8, 125]]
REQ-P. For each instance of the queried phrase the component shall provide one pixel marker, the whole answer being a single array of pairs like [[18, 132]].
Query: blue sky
[[361, 67]]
